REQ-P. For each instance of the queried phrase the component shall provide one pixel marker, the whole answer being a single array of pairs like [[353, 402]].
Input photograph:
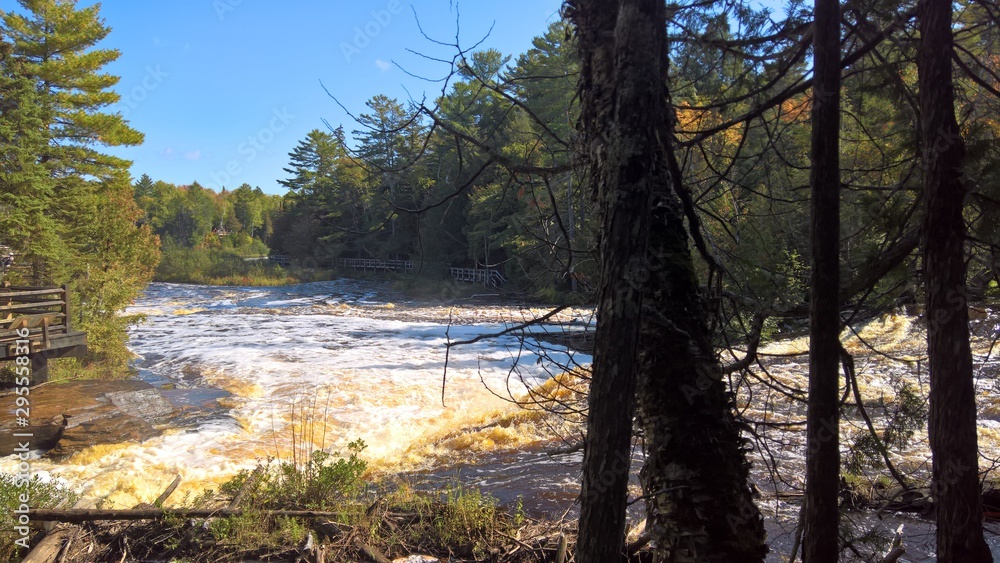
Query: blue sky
[[224, 89]]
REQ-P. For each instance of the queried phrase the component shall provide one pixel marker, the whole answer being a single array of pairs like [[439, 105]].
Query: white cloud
[[383, 65], [168, 153], [192, 155]]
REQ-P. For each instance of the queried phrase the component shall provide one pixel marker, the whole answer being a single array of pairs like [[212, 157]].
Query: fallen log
[[92, 515], [52, 545], [250, 483]]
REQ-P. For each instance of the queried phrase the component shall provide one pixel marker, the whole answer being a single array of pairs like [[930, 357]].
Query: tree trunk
[[952, 424], [822, 513], [700, 507], [699, 504], [619, 177], [695, 478]]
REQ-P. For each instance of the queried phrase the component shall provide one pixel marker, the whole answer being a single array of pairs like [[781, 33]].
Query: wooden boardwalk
[[38, 319], [485, 277], [376, 265], [488, 278], [279, 259]]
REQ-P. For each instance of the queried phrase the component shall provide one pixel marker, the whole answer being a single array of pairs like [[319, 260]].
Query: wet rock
[[146, 404], [68, 417]]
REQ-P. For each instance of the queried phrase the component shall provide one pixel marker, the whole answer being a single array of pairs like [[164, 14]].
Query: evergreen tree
[[26, 188], [952, 423], [87, 194]]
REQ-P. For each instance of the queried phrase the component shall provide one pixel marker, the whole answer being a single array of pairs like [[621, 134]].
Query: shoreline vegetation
[[324, 509]]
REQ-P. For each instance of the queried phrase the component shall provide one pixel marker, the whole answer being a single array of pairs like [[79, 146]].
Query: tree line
[[207, 236], [408, 183]]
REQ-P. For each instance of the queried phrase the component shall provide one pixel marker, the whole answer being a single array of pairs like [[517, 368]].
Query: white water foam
[[300, 371]]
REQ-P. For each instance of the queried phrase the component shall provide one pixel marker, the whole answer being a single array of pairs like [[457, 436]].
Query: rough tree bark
[[821, 510], [952, 424], [695, 477], [619, 157]]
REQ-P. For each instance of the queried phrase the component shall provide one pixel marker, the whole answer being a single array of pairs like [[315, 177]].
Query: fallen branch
[[167, 492], [250, 483], [91, 515], [570, 449], [52, 545]]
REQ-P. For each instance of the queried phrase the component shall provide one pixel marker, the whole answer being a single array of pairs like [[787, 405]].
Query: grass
[[355, 513], [40, 495], [217, 266]]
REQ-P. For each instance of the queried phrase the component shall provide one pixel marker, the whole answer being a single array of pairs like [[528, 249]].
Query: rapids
[[260, 373], [279, 372]]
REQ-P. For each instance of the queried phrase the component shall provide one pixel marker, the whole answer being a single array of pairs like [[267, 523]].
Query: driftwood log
[[52, 545], [167, 492]]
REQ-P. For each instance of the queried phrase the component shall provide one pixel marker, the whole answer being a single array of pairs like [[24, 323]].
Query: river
[[258, 373]]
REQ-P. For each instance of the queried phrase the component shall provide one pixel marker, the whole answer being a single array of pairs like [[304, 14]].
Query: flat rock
[[68, 417]]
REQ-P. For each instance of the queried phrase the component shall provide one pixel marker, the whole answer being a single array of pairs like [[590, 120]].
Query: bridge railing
[[486, 277], [489, 278], [279, 259], [375, 265], [43, 311]]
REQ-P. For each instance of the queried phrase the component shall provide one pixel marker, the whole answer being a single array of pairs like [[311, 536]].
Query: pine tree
[[91, 201], [25, 185], [952, 422]]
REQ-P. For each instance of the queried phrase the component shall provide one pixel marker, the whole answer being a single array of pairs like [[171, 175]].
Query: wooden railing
[[488, 278], [374, 265], [44, 312], [279, 259]]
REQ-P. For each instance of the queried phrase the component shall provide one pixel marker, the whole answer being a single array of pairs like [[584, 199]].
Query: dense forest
[[209, 237], [708, 175], [486, 177]]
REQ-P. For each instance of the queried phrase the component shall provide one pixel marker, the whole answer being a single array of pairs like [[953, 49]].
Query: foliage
[[42, 494], [320, 483], [66, 208], [400, 188], [459, 520], [905, 414], [207, 236]]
